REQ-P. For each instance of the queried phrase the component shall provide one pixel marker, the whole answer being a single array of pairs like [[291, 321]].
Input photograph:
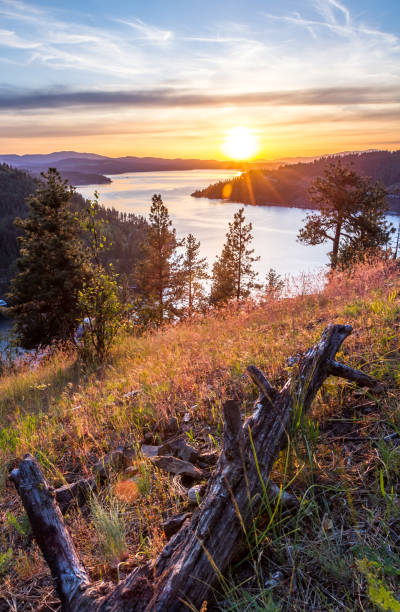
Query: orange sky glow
[[172, 80]]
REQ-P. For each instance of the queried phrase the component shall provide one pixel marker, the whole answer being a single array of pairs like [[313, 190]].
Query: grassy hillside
[[338, 548]]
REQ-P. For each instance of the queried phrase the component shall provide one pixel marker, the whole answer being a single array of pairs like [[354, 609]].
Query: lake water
[[274, 228]]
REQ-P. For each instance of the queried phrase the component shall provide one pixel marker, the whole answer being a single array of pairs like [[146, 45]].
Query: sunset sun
[[240, 143]]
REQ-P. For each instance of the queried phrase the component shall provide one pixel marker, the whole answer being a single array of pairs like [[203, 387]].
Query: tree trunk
[[336, 241], [194, 559]]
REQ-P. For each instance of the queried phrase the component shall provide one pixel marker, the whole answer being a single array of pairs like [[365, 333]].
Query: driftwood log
[[182, 576]]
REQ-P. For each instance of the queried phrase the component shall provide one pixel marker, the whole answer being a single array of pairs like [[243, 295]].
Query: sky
[[170, 78]]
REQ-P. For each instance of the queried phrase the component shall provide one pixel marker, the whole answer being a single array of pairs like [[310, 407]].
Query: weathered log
[[189, 564]]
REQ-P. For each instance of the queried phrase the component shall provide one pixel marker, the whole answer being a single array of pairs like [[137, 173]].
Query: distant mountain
[[288, 185], [89, 168]]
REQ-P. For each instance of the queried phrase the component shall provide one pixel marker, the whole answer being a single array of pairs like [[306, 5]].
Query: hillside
[[125, 232], [15, 186], [336, 546], [89, 168], [288, 185]]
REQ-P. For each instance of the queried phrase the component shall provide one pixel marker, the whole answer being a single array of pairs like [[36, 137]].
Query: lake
[[274, 227]]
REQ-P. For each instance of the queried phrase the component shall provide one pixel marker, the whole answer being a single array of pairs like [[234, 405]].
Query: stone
[[131, 471], [195, 494], [174, 523], [172, 425], [149, 451], [173, 465], [130, 395], [274, 580], [115, 460], [209, 458], [287, 500], [179, 448]]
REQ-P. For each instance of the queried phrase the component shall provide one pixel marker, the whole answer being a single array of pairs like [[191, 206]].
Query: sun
[[240, 143]]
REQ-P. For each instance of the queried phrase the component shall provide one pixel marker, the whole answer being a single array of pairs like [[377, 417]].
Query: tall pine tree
[[233, 274], [158, 275], [51, 268], [194, 270]]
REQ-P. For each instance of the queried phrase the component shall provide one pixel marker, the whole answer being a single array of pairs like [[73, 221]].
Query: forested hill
[[15, 186], [124, 231], [288, 185]]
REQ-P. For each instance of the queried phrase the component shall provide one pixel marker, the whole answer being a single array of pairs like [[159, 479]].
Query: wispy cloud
[[8, 38], [148, 32]]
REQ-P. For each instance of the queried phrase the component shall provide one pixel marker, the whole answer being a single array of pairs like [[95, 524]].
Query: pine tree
[[158, 275], [51, 268], [194, 270], [233, 274], [351, 215], [274, 284]]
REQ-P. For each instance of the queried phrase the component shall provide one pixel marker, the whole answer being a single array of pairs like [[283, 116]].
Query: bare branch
[[261, 381], [336, 368]]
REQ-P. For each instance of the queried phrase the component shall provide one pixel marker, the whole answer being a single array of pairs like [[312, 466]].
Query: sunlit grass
[[69, 417]]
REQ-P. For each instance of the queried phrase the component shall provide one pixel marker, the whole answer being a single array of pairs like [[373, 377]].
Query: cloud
[[330, 11], [8, 38], [148, 32], [169, 97]]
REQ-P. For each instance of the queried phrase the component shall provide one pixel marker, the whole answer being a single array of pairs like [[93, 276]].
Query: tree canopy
[[233, 274], [158, 274], [351, 215], [51, 268]]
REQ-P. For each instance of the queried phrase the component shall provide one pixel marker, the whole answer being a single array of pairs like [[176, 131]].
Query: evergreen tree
[[158, 274], [194, 270], [274, 284], [351, 215], [233, 275], [51, 268]]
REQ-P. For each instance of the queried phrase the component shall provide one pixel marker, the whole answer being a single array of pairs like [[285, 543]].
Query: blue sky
[[172, 78]]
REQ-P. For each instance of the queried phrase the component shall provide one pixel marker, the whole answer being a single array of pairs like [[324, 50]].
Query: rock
[[177, 466], [195, 494], [149, 451], [179, 448], [186, 418], [274, 580], [115, 460], [148, 437], [131, 471], [172, 425], [287, 500], [174, 523], [74, 493], [130, 395], [209, 458]]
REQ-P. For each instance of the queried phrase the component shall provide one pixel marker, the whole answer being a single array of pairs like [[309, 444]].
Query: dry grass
[[339, 465]]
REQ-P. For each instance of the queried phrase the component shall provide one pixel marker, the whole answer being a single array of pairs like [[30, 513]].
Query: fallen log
[[189, 565]]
